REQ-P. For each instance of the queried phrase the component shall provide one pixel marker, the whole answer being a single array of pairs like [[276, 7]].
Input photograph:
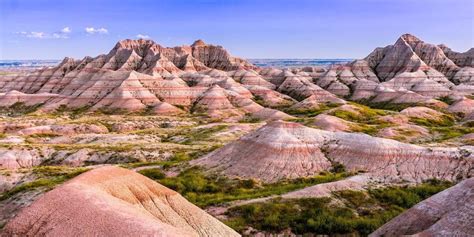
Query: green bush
[[249, 118], [304, 216], [365, 115], [444, 121], [204, 190], [362, 213], [338, 168], [153, 173]]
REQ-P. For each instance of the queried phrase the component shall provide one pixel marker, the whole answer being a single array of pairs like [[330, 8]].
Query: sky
[[52, 29]]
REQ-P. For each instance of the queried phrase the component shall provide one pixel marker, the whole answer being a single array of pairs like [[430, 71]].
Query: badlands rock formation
[[113, 201], [449, 213], [284, 150], [141, 75]]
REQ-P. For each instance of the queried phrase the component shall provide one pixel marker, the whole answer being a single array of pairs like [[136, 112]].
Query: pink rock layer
[[284, 150], [112, 201]]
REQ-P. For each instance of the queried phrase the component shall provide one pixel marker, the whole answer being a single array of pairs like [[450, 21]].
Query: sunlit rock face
[[114, 201], [138, 75], [285, 150]]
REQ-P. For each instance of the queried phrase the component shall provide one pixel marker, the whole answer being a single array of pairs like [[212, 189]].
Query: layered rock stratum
[[449, 213], [112, 201], [138, 75], [286, 150]]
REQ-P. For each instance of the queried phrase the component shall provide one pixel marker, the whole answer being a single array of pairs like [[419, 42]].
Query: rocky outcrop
[[332, 123], [465, 59], [141, 75], [409, 54], [112, 201], [449, 213], [463, 106], [284, 150]]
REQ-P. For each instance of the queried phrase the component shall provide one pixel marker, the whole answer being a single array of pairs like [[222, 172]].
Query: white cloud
[[140, 36], [63, 34], [59, 36], [92, 30], [66, 30], [37, 35]]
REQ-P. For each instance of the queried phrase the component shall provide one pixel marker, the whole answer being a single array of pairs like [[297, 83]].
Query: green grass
[[43, 135], [386, 105], [365, 114], [407, 196], [310, 112], [72, 112], [19, 109], [48, 178], [192, 136], [444, 121], [153, 173], [249, 118], [447, 100], [205, 190], [361, 214]]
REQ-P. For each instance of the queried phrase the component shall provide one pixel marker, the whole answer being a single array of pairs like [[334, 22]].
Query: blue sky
[[51, 29]]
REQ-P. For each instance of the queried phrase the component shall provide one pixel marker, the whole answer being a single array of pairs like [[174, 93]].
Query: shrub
[[444, 121], [153, 173], [363, 213], [338, 168], [204, 190], [249, 118]]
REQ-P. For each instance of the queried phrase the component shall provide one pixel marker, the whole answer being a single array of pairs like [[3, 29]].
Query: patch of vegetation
[[153, 173], [249, 118], [191, 136], [19, 109], [309, 112], [386, 105], [446, 99], [177, 159], [366, 128], [408, 196], [48, 178], [444, 121], [72, 112], [43, 135], [304, 216], [204, 190], [445, 133], [112, 111], [365, 115], [259, 100], [361, 214], [338, 168]]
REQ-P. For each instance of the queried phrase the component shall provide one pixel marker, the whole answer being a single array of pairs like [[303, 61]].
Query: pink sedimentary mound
[[112, 201], [285, 150], [138, 75], [413, 71], [448, 213]]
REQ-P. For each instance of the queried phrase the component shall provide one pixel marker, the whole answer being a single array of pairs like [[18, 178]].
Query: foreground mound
[[450, 212], [284, 150], [112, 201]]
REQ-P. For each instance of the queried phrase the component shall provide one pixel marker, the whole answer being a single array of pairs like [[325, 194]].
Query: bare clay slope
[[112, 201], [283, 150], [449, 213]]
